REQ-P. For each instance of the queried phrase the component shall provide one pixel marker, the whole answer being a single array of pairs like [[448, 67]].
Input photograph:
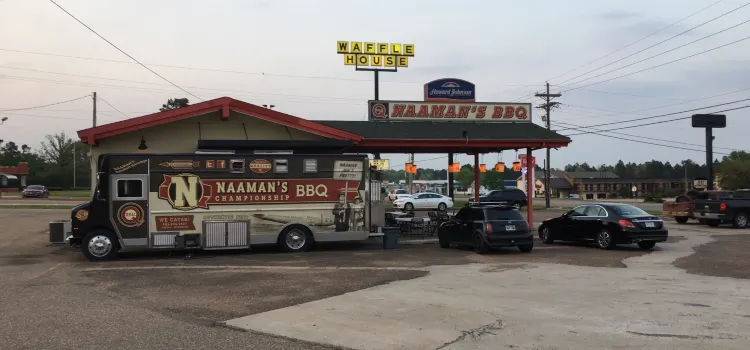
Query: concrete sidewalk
[[649, 305]]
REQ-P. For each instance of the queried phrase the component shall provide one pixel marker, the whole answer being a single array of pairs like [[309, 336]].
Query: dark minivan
[[509, 196], [487, 227]]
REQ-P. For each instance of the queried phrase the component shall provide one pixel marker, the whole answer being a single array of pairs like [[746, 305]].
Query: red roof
[[223, 104], [21, 169]]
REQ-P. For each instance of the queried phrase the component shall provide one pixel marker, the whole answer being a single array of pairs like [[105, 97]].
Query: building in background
[[605, 184], [13, 178]]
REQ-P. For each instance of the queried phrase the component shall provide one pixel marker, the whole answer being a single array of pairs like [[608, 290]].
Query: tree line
[[51, 164]]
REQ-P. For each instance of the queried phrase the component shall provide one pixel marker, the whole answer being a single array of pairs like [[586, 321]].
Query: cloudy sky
[[282, 52]]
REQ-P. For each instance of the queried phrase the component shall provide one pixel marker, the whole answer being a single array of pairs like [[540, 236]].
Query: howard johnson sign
[[449, 90]]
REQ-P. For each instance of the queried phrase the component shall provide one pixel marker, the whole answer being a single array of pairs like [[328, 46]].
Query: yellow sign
[[380, 164], [391, 55]]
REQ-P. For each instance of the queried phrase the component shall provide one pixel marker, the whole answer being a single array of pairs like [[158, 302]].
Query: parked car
[[607, 225], [683, 207], [487, 227], [35, 191], [510, 196], [396, 194], [733, 207], [424, 200]]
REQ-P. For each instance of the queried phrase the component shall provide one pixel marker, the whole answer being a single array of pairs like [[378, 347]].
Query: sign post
[[634, 189], [709, 121]]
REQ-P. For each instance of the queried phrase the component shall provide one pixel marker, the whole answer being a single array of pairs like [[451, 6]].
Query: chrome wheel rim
[[295, 239], [742, 220], [408, 206], [604, 238], [545, 233], [100, 246], [441, 206]]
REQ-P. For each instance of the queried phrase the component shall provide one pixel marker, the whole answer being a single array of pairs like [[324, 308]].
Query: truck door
[[129, 208]]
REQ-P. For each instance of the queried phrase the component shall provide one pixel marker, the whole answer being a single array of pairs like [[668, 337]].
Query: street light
[[269, 106]]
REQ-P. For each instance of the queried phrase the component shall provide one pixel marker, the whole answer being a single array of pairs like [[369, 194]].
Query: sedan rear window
[[629, 210], [502, 214]]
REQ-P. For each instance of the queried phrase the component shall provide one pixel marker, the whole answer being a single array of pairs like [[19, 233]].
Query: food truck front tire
[[100, 245], [295, 238]]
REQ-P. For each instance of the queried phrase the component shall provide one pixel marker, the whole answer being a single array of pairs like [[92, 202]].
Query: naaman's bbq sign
[[188, 191], [434, 111]]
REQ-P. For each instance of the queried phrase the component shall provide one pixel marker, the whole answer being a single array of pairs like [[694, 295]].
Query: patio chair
[[417, 225], [390, 220]]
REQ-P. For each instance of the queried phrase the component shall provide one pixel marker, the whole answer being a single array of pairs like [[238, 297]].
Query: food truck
[[226, 201]]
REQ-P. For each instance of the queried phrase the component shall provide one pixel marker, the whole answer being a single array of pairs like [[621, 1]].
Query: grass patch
[[31, 206], [70, 194]]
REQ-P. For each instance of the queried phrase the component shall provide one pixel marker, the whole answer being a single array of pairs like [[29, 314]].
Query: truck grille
[[225, 235]]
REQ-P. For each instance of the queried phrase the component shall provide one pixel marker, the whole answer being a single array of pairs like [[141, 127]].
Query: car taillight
[[626, 223], [723, 207], [488, 228]]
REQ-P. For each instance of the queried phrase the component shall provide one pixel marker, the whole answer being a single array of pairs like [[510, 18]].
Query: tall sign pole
[[547, 106], [375, 57], [709, 122]]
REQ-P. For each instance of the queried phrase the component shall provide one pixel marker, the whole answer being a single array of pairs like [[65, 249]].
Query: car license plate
[[650, 224], [510, 227]]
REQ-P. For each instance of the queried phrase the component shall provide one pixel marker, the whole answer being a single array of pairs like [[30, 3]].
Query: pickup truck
[[733, 208], [683, 207]]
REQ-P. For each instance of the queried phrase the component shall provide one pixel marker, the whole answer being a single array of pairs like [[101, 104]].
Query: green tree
[[174, 103], [466, 175], [492, 180], [735, 174]]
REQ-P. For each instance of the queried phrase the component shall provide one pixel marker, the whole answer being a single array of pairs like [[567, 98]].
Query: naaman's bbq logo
[[185, 192], [130, 215], [260, 166]]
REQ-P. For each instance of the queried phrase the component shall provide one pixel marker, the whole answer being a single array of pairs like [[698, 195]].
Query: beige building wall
[[182, 136]]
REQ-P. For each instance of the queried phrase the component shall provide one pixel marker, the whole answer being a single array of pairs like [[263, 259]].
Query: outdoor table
[[398, 213], [409, 219]]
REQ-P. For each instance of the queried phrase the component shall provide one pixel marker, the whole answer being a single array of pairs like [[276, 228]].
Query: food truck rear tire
[[295, 238], [100, 245]]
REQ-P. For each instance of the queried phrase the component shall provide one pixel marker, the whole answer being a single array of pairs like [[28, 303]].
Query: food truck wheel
[[100, 245], [295, 239]]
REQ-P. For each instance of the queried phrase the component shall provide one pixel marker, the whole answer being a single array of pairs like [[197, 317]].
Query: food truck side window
[[311, 165], [129, 188]]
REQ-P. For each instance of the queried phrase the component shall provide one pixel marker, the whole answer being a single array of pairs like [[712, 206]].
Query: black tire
[[408, 207], [605, 239], [713, 222], [442, 207], [740, 220], [526, 248], [545, 234], [702, 221], [46, 195], [295, 239], [479, 244], [681, 219], [646, 244], [100, 245], [443, 239]]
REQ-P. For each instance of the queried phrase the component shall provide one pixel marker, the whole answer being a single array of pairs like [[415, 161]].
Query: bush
[[652, 199]]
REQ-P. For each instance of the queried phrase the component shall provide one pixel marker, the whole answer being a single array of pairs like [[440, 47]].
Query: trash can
[[58, 231], [390, 237]]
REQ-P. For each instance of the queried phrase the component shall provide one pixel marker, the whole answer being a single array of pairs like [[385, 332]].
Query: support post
[[476, 178], [710, 157], [450, 177], [529, 187], [410, 176], [94, 115], [377, 86], [377, 176]]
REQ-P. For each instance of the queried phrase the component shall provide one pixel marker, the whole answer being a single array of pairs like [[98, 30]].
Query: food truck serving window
[[129, 188]]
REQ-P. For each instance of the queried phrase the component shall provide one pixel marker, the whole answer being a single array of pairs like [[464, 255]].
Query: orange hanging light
[[500, 167], [454, 168], [516, 166], [482, 168]]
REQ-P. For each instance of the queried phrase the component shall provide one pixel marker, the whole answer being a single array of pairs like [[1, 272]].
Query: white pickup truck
[[396, 194]]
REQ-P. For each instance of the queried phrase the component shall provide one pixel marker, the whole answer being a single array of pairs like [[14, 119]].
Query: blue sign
[[449, 89]]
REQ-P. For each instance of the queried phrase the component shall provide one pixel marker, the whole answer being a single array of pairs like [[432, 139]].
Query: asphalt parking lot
[[353, 295]]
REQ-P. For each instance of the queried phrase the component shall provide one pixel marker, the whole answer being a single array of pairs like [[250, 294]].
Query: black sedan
[[605, 224], [487, 227]]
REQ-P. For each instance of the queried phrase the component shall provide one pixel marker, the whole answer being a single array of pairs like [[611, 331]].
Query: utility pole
[[74, 165], [94, 97], [547, 106]]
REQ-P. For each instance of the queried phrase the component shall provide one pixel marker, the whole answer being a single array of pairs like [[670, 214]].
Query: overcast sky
[[507, 48]]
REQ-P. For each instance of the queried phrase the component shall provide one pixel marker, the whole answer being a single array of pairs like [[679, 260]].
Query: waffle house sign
[[374, 54]]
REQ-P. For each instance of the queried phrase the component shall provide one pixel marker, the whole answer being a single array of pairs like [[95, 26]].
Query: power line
[[644, 137], [650, 57], [51, 117], [663, 41], [153, 90], [47, 105], [194, 87], [661, 121], [113, 107], [661, 65], [639, 40], [265, 74], [123, 52], [661, 115], [632, 95]]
